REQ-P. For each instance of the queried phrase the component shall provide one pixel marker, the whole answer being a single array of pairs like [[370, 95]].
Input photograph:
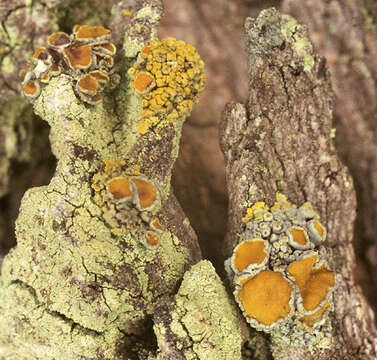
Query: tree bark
[[345, 32], [281, 142], [62, 287]]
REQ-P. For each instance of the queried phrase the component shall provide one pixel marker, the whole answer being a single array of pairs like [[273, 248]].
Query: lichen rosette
[[281, 280]]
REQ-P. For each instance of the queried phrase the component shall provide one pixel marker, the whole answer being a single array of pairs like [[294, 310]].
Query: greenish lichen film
[[95, 253]]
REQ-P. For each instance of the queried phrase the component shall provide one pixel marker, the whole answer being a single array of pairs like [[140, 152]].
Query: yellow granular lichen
[[170, 78]]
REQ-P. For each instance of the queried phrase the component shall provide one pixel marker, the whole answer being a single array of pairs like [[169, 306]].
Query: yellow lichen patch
[[178, 79], [79, 57], [249, 252], [255, 211], [90, 33], [146, 193], [316, 231], [309, 320], [112, 165], [151, 239], [265, 297], [127, 12], [314, 284], [155, 224], [120, 188], [144, 81]]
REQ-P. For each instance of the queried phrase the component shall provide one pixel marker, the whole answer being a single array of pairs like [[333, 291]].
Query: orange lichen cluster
[[266, 297], [169, 77], [129, 201], [249, 253], [87, 55], [280, 278], [313, 279]]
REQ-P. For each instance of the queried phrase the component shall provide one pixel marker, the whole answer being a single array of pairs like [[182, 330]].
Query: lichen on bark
[[281, 142], [75, 280], [201, 322]]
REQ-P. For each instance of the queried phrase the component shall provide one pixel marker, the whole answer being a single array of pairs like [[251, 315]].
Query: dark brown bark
[[345, 32], [281, 142]]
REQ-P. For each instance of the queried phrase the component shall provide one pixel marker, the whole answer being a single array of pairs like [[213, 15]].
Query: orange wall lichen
[[280, 246]]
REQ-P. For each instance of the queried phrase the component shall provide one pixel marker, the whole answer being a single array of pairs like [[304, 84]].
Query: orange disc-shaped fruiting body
[[250, 254], [144, 82], [145, 51], [265, 298], [87, 84], [79, 57], [59, 40], [298, 238], [146, 194], [151, 240], [120, 188], [22, 73], [40, 54], [94, 100], [314, 283], [55, 70], [31, 89], [156, 225], [317, 231], [310, 320], [100, 76], [45, 78], [107, 48], [87, 33]]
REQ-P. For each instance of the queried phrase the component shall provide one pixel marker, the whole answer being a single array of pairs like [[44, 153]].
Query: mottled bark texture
[[345, 32], [25, 156], [202, 322], [79, 284], [281, 141]]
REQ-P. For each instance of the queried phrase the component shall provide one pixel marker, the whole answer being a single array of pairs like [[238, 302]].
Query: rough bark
[[94, 284], [345, 32], [281, 141]]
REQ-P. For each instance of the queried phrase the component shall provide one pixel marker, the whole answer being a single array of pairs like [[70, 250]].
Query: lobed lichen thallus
[[281, 281], [87, 56]]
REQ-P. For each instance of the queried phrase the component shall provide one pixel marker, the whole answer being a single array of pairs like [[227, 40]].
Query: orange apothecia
[[129, 201], [281, 281], [87, 56]]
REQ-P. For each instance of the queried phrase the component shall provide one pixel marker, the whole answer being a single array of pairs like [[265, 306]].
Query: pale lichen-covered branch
[[101, 246]]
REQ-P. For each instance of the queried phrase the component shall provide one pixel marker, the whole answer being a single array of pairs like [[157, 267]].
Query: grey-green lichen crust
[[34, 332], [66, 253], [77, 282], [203, 322]]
